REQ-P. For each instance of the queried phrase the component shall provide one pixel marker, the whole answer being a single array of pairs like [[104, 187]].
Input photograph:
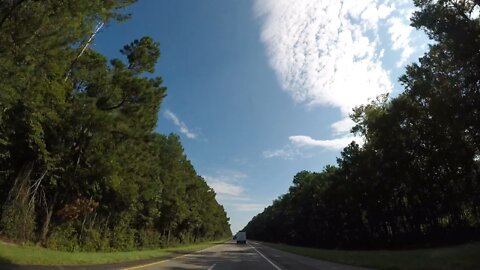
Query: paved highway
[[252, 256]]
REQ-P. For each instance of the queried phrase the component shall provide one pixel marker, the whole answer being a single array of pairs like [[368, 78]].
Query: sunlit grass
[[41, 256], [461, 257]]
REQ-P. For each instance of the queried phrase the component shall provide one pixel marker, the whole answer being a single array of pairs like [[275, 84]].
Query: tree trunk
[[20, 189], [168, 238], [48, 218], [16, 211]]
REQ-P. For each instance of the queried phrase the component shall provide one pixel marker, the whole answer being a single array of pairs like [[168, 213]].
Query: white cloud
[[227, 184], [180, 124], [333, 144], [331, 52], [326, 52], [249, 207], [225, 188], [343, 126], [287, 152], [400, 32], [300, 146], [228, 199]]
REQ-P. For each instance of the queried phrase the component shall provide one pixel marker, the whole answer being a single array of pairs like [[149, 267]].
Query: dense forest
[[416, 179], [81, 167]]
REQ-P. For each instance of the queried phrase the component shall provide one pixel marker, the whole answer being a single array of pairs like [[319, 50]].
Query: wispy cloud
[[225, 188], [287, 152], [180, 124], [228, 199], [250, 207], [400, 32], [227, 184], [300, 146], [333, 144]]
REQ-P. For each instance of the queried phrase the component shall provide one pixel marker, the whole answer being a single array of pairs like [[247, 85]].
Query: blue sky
[[259, 90]]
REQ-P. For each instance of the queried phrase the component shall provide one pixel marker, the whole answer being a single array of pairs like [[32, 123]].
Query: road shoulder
[[134, 264], [287, 260]]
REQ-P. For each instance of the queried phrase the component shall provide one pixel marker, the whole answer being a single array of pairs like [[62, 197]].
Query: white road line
[[274, 265], [211, 267]]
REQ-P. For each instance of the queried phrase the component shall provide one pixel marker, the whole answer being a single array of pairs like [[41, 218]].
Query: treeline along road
[[81, 167]]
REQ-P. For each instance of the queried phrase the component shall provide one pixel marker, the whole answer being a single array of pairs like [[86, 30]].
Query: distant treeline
[[415, 180], [81, 167]]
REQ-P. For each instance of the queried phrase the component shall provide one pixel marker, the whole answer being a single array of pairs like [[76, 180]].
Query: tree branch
[[87, 43], [115, 106]]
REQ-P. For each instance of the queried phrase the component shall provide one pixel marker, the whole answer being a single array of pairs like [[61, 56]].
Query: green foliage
[[95, 239], [18, 222], [149, 238], [35, 255], [142, 54], [415, 180], [81, 166], [63, 237], [463, 257], [123, 235]]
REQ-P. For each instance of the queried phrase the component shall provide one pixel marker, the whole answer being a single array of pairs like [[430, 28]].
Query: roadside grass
[[461, 257], [34, 255]]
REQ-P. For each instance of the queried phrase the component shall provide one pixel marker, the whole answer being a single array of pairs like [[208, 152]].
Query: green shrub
[[149, 238], [123, 235], [95, 240], [64, 237], [18, 222]]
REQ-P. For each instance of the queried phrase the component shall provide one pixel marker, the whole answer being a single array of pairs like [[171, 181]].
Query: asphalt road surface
[[251, 256]]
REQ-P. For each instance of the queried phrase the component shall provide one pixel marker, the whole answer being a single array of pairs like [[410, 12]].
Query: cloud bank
[[331, 53], [326, 52]]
